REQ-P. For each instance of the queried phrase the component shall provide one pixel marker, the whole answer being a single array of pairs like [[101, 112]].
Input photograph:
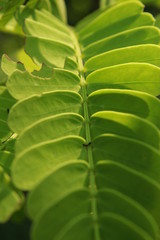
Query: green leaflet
[[56, 126], [104, 3], [70, 146], [113, 15], [144, 19], [32, 28], [10, 199], [48, 19], [88, 130], [6, 102], [56, 7], [140, 53], [56, 52], [13, 13], [118, 181], [8, 8], [136, 36], [158, 20], [143, 105], [58, 48], [107, 196], [50, 103], [153, 3], [8, 66], [59, 79], [115, 148], [79, 178], [59, 10], [124, 124], [125, 228], [115, 77]]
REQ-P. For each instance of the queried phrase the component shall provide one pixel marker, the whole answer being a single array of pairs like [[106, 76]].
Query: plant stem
[[92, 182]]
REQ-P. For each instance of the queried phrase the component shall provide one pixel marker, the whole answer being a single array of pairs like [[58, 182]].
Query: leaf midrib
[[92, 181]]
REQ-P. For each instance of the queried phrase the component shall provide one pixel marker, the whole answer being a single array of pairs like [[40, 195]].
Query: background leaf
[[83, 140]]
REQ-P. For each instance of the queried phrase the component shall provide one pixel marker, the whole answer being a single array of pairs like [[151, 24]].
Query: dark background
[[79, 9]]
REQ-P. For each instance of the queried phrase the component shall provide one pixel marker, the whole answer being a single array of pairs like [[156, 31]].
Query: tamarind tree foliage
[[81, 134], [154, 3]]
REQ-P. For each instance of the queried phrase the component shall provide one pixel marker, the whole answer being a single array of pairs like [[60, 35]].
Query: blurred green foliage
[[78, 9], [153, 3], [12, 43]]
